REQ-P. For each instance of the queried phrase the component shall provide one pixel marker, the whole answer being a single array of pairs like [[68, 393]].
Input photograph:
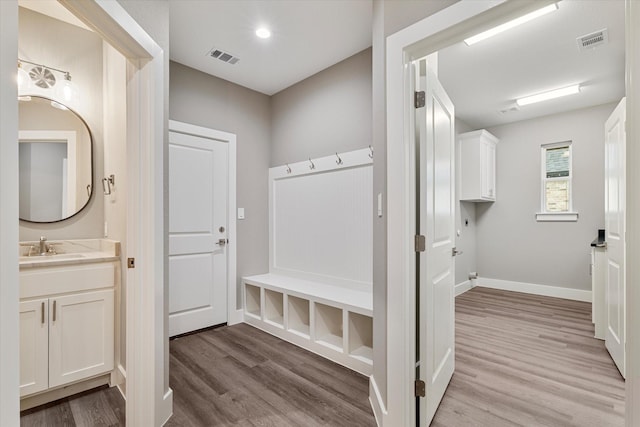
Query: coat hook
[[311, 166], [371, 152], [339, 161], [288, 168]]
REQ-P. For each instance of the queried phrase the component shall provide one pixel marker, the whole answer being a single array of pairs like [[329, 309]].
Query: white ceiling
[[540, 55], [307, 36], [483, 79]]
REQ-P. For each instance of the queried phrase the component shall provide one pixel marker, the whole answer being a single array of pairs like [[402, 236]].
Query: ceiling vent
[[223, 56], [593, 40]]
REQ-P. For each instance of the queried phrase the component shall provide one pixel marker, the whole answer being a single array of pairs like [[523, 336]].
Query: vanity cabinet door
[[34, 353], [81, 336]]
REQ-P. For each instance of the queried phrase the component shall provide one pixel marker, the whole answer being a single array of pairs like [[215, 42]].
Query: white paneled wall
[[321, 219]]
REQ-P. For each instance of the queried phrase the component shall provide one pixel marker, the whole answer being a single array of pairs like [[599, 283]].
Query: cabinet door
[[81, 340], [487, 169], [34, 354]]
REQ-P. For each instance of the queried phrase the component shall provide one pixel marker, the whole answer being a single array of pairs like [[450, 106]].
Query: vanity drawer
[[63, 279]]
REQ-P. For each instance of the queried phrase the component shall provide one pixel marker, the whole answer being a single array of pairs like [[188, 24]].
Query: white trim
[[463, 287], [375, 400], [321, 165], [122, 381], [232, 247], [447, 26], [632, 406], [147, 338], [9, 336], [544, 179], [557, 216], [535, 289]]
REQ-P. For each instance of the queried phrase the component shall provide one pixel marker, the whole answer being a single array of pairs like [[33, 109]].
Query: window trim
[[545, 215]]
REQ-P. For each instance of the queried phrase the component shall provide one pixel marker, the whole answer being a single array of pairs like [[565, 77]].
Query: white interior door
[[198, 199], [436, 266], [615, 234]]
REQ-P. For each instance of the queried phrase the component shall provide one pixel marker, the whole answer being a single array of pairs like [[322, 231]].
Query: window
[[556, 183]]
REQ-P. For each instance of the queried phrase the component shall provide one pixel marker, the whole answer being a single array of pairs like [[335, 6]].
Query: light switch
[[379, 205], [240, 213]]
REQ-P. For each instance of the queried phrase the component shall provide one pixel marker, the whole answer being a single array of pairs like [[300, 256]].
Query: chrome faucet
[[43, 245]]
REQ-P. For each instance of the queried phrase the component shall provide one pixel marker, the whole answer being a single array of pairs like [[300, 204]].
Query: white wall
[[388, 18], [511, 245], [153, 17], [115, 162], [48, 41]]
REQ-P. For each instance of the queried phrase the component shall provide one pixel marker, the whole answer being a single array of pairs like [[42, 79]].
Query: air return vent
[[593, 40], [223, 56]]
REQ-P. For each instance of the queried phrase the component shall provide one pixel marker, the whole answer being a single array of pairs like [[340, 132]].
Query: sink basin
[[43, 258]]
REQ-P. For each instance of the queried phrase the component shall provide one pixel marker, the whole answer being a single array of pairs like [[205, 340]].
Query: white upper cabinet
[[478, 166]]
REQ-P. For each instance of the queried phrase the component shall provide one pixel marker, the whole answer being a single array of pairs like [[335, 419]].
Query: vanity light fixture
[[552, 94], [42, 78], [263, 33], [511, 24]]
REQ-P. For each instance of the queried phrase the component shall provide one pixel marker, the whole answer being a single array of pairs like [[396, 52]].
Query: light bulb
[[23, 79], [66, 90]]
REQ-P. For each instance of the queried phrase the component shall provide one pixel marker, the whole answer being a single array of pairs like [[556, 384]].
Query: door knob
[[222, 242], [455, 252]]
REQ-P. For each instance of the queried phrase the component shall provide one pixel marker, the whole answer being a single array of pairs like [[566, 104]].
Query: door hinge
[[420, 389], [131, 263], [420, 243], [419, 99]]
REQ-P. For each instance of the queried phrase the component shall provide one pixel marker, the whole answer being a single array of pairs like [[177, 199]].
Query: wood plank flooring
[[527, 360], [521, 360], [103, 406], [241, 376]]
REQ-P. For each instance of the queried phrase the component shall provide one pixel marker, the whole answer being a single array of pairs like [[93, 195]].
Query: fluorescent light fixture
[[511, 24], [544, 96], [263, 33]]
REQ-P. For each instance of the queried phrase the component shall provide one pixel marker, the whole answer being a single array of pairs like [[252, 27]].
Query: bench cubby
[[331, 320]]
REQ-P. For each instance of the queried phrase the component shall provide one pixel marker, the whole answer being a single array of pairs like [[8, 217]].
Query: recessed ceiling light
[[263, 33], [511, 24], [544, 96]]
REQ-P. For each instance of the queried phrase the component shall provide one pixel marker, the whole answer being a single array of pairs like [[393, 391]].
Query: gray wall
[[326, 113], [512, 245], [45, 40], [465, 221], [208, 101]]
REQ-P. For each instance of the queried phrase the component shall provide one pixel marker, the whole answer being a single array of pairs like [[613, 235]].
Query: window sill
[[557, 217]]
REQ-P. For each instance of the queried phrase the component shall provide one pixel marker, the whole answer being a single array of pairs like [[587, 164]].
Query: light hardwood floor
[[521, 360], [526, 360]]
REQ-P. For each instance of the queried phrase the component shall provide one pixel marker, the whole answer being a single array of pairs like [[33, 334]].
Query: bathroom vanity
[[67, 317]]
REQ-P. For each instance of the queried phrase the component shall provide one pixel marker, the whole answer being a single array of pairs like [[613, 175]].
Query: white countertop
[[71, 252]]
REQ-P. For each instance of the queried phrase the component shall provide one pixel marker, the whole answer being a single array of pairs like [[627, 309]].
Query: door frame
[[149, 399], [435, 32], [234, 315]]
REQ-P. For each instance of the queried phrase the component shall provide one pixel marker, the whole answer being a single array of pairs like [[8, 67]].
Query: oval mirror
[[55, 160]]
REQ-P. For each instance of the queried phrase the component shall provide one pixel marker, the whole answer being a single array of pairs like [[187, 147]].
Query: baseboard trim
[[235, 317], [167, 407], [375, 400], [535, 289], [463, 287], [122, 382]]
